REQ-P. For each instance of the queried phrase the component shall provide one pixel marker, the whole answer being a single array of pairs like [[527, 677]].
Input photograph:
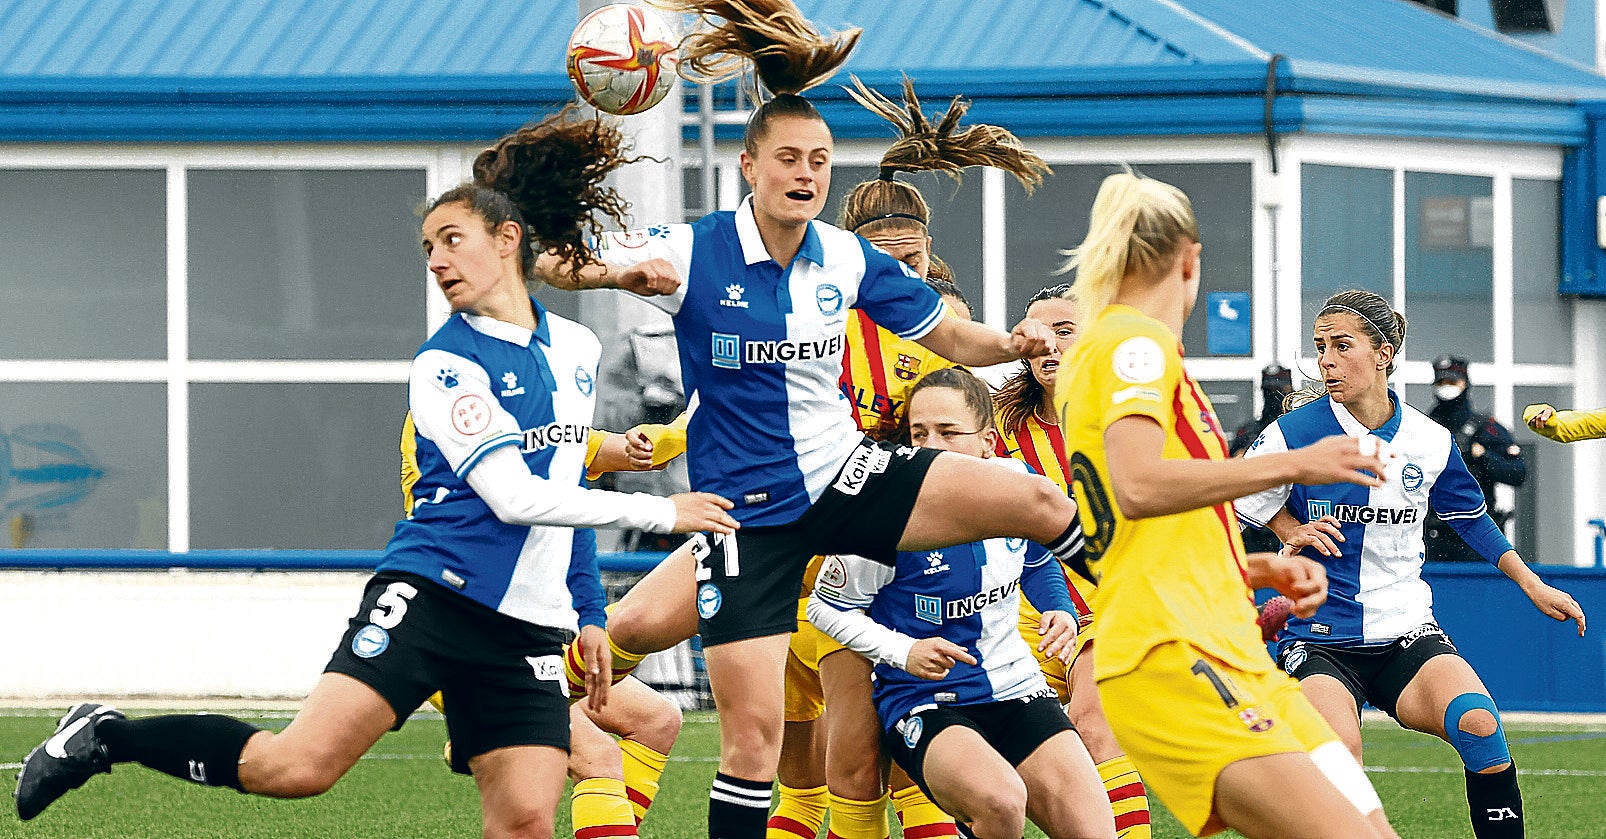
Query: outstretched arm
[[979, 345], [1554, 602]]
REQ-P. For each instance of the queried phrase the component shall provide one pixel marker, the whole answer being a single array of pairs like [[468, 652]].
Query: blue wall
[[1528, 661]]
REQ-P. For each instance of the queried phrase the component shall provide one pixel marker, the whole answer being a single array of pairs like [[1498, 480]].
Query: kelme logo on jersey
[[583, 381], [928, 608], [733, 297], [709, 599], [447, 377], [510, 385], [553, 434], [727, 351], [829, 299], [370, 641], [1360, 514], [1411, 477], [934, 564]]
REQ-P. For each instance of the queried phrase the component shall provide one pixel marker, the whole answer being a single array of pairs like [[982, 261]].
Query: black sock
[[201, 748], [1496, 804], [738, 809], [1070, 548]]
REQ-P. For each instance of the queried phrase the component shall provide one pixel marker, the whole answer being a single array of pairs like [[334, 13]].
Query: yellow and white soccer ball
[[622, 58]]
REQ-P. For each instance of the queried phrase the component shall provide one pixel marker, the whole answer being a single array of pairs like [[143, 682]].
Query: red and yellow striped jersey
[[1163, 578], [878, 369]]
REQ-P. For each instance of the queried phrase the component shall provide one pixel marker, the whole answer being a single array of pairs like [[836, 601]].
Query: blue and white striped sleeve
[[1259, 508], [846, 585], [895, 298], [671, 242], [453, 407], [1459, 501]]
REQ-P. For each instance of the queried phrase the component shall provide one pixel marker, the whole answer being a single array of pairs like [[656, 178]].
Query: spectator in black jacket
[[1492, 455]]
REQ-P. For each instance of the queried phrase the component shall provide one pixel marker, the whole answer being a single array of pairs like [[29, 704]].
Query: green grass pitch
[[402, 789]]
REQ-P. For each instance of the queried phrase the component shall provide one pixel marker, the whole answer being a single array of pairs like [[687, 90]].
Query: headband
[[1369, 321], [885, 216]]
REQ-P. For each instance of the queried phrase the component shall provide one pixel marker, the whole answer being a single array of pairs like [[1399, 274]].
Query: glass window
[[84, 465], [305, 264], [1347, 219], [309, 466], [1545, 517], [955, 218], [1449, 266], [1054, 218], [1544, 329], [85, 273], [1234, 403]]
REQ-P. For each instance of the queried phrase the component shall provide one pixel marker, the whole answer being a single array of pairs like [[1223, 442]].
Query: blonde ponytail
[[1134, 230]]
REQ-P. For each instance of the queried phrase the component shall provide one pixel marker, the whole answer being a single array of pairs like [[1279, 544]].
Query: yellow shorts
[[1183, 716], [805, 698], [1055, 672]]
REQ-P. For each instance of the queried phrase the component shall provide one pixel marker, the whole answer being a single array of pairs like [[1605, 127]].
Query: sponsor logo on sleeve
[[1139, 360], [1135, 392], [470, 415], [834, 575], [864, 462]]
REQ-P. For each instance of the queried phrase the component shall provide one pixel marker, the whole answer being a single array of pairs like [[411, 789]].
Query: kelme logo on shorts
[[709, 599], [370, 641]]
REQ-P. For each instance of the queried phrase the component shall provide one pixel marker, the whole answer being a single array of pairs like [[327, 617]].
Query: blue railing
[[262, 560]]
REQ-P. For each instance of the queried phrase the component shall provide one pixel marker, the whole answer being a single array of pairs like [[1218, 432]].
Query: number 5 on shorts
[[392, 605], [1203, 668]]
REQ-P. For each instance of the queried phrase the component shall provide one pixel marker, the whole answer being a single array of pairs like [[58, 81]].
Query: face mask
[[1447, 392]]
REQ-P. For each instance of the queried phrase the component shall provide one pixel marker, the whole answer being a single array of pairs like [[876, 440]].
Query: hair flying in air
[[788, 53], [884, 202], [548, 177], [1136, 227]]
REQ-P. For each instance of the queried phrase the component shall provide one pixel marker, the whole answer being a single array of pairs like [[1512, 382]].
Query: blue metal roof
[[467, 70]]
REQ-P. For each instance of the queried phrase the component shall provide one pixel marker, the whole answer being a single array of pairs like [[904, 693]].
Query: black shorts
[[748, 583], [1014, 727], [501, 678], [1376, 674]]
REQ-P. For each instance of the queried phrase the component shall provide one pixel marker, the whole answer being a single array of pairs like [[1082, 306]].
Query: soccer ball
[[622, 58]]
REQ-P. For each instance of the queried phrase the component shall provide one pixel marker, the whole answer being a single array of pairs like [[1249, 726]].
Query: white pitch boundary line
[[1447, 770]]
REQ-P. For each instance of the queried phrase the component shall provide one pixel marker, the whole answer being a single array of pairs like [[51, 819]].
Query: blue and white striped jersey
[[478, 385], [969, 594], [761, 350], [1375, 590]]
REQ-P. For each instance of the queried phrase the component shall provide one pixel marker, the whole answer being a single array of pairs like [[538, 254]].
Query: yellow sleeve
[[409, 464], [1141, 372], [1569, 426], [594, 440], [668, 441]]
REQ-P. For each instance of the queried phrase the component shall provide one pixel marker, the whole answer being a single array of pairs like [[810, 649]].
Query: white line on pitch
[[1449, 770]]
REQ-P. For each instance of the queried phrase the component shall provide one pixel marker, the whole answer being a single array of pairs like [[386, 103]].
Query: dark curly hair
[[547, 178]]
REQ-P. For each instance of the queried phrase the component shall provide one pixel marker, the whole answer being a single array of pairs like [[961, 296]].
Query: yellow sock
[[852, 819], [1128, 799], [643, 767], [624, 663], [799, 815], [921, 819], [600, 809]]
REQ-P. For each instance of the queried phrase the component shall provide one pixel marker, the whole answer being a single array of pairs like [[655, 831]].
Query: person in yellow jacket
[[1565, 426]]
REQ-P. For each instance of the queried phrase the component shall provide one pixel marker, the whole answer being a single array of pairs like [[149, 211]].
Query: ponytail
[[1136, 227]]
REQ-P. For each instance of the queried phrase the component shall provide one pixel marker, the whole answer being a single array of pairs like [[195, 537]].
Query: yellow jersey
[[1179, 577], [878, 370]]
